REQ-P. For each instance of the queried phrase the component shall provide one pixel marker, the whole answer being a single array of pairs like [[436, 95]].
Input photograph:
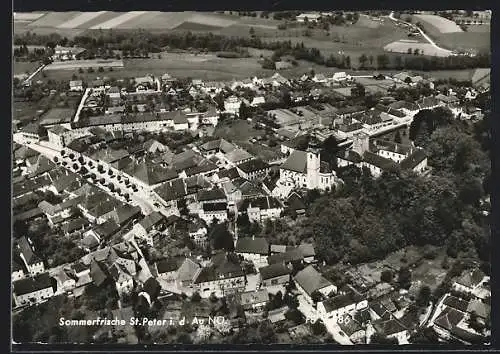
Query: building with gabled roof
[[221, 276], [341, 305], [352, 329], [124, 281], [211, 211], [98, 272], [274, 275], [253, 169], [468, 281], [309, 280], [148, 174], [152, 222], [261, 208], [32, 262], [252, 248], [33, 290], [392, 329], [198, 233], [186, 273]]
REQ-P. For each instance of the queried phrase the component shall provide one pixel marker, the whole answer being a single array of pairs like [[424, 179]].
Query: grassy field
[[196, 27], [76, 64], [22, 67], [479, 28], [237, 130], [24, 111], [210, 67], [403, 46], [437, 24], [480, 41]]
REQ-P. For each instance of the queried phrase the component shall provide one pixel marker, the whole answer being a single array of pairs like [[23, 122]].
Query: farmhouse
[[187, 273], [306, 17], [76, 86], [67, 53]]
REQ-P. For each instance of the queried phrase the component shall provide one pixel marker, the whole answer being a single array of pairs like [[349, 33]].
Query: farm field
[[82, 18], [448, 36], [24, 111], [76, 64], [479, 28], [194, 26], [53, 19], [480, 41], [437, 24], [67, 21], [403, 46], [119, 20], [27, 16]]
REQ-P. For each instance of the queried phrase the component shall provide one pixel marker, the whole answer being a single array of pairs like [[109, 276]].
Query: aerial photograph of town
[[251, 177]]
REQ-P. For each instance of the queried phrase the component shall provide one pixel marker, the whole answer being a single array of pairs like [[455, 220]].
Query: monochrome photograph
[[251, 177]]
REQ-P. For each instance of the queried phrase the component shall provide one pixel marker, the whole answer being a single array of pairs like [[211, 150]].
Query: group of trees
[[142, 42], [23, 53], [368, 218]]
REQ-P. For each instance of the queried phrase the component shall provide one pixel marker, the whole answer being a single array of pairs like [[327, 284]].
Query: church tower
[[313, 163]]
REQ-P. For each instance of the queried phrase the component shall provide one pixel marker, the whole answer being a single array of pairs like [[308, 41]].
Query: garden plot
[[81, 19]]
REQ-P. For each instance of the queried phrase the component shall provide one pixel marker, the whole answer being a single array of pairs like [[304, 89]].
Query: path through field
[[391, 16]]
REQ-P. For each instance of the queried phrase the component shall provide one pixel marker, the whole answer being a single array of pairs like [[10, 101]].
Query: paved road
[[34, 73], [331, 325], [139, 198], [427, 38]]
